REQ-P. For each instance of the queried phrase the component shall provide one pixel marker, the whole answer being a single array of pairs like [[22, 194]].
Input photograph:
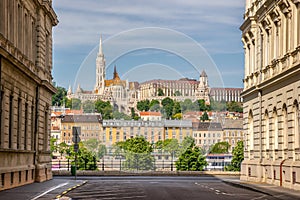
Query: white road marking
[[51, 189]]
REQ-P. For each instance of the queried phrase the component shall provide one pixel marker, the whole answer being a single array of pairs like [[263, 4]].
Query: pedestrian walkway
[[41, 191], [272, 190]]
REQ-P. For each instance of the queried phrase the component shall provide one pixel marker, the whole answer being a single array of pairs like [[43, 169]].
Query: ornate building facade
[[25, 91], [226, 94], [271, 38], [176, 89]]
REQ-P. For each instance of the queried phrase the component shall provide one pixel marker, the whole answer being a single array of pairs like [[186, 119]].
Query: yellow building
[[120, 130]]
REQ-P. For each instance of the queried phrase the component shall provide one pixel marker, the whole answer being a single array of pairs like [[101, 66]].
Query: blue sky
[[146, 40]]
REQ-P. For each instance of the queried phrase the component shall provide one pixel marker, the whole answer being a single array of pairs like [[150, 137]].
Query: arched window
[[285, 127], [267, 131], [250, 131], [296, 124], [275, 130]]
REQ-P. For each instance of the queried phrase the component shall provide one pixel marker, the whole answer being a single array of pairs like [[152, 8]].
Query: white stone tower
[[203, 88], [100, 70]]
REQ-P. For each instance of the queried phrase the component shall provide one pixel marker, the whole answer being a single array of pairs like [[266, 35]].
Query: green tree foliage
[[134, 116], [95, 147], [187, 105], [217, 106], [74, 104], [220, 147], [143, 105], [176, 108], [137, 153], [105, 108], [86, 160], [168, 145], [168, 105], [238, 157], [200, 105], [88, 106], [119, 115], [191, 159], [160, 92], [234, 106], [177, 93], [204, 117], [58, 97], [53, 146], [63, 148], [154, 105], [177, 116]]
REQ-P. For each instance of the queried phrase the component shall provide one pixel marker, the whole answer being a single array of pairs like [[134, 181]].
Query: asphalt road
[[156, 188]]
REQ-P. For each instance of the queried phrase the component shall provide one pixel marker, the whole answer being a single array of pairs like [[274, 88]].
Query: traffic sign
[[76, 147], [76, 132]]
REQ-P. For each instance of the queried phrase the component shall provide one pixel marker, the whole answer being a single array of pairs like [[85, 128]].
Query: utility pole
[[76, 131]]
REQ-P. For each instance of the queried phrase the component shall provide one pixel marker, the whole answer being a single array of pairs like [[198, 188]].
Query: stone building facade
[[271, 38], [176, 89], [226, 94], [25, 91]]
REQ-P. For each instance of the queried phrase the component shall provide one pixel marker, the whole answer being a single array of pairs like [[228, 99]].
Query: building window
[[275, 118], [296, 119], [11, 119], [26, 125]]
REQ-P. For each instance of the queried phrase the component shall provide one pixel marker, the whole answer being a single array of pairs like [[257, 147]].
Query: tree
[[73, 104], [63, 148], [154, 105], [220, 147], [191, 159], [160, 92], [177, 93], [200, 105], [168, 105], [204, 117], [133, 114], [85, 159], [177, 116], [137, 153], [187, 105], [217, 106], [176, 108], [105, 108], [53, 146], [168, 145], [238, 157], [119, 115], [88, 106], [143, 105], [95, 147], [58, 97], [234, 106]]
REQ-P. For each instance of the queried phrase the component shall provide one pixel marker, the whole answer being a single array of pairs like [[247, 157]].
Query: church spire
[[100, 46], [116, 75]]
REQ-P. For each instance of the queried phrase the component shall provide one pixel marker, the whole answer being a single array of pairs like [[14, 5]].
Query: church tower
[[100, 70], [203, 88]]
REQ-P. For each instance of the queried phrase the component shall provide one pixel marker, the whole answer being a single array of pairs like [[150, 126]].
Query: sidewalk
[[41, 191], [272, 190]]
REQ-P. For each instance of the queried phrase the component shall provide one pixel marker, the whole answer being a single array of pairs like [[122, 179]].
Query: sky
[[147, 40]]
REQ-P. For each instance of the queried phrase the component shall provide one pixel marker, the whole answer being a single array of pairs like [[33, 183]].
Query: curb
[[70, 189], [245, 187]]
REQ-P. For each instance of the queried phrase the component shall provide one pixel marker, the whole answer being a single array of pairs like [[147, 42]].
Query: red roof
[[150, 113]]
